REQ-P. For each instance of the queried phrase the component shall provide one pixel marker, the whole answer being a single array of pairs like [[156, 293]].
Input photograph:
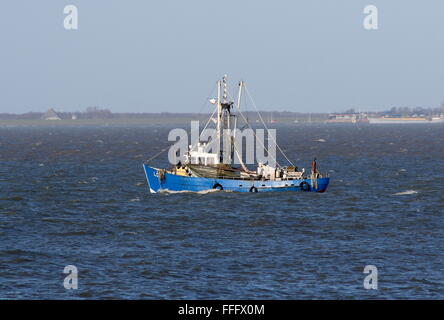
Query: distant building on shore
[[51, 115], [347, 118]]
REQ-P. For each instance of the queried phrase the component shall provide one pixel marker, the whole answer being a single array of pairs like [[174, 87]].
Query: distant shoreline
[[131, 122], [95, 116], [100, 118]]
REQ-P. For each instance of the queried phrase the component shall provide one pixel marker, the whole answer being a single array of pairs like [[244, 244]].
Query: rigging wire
[[208, 122], [200, 110], [254, 133], [262, 120], [257, 139], [247, 123]]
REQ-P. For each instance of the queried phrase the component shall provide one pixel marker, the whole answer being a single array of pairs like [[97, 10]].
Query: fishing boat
[[203, 170]]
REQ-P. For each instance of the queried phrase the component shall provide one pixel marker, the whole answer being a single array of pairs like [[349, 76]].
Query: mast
[[239, 94], [226, 115], [224, 133], [239, 156], [219, 118]]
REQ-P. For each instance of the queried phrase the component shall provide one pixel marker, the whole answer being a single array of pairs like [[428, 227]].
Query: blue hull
[[173, 182]]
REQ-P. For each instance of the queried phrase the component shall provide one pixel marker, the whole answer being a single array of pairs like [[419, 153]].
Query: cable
[[200, 110], [262, 120]]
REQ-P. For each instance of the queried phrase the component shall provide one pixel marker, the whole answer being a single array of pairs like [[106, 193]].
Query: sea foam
[[404, 193]]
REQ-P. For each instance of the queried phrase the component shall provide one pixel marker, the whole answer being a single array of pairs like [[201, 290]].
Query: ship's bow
[[152, 178]]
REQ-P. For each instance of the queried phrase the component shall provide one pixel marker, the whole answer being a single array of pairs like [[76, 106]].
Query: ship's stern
[[321, 184]]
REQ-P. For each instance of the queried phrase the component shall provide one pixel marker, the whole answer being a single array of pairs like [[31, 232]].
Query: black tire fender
[[305, 186], [218, 186]]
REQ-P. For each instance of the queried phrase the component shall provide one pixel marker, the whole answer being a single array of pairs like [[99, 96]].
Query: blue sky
[[154, 56]]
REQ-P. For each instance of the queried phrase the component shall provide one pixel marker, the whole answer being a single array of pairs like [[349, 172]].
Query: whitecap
[[187, 191], [404, 193]]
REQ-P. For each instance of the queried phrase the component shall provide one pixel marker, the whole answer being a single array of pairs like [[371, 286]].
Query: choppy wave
[[220, 245]]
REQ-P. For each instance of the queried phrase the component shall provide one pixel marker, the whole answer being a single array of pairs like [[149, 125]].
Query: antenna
[[224, 81]]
